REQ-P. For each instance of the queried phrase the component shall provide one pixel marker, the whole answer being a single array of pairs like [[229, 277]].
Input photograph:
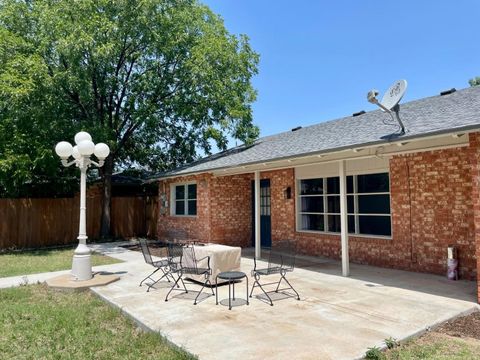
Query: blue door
[[265, 214]]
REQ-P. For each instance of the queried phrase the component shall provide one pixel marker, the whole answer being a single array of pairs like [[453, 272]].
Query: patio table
[[222, 258]]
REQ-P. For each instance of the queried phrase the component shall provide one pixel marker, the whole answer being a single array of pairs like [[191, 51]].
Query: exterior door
[[265, 214]]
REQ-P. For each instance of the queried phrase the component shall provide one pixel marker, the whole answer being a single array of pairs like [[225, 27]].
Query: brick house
[[403, 198]]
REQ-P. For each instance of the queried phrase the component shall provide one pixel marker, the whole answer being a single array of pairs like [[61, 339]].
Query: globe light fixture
[[82, 135], [81, 152], [64, 149], [101, 151], [75, 153], [86, 147]]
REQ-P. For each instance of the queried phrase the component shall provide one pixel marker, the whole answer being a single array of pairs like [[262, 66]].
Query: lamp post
[[81, 152]]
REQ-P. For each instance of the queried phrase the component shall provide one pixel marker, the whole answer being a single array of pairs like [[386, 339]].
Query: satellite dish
[[394, 94], [390, 100]]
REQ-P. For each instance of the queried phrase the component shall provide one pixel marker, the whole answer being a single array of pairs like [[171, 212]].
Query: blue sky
[[318, 59]]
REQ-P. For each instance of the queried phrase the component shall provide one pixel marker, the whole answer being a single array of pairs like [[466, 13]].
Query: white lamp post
[[81, 152]]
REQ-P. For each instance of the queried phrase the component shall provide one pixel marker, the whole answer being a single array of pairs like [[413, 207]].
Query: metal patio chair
[[160, 265], [281, 260], [182, 261]]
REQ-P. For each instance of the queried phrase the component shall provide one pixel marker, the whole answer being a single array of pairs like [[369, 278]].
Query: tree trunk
[[105, 230]]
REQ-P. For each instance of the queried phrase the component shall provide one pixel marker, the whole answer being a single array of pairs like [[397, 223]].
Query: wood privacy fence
[[32, 223]]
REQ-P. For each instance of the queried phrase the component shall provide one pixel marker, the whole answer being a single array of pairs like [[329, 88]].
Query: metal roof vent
[[359, 113], [448, 92], [296, 128]]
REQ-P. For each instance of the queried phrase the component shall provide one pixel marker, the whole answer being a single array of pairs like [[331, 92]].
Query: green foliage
[[391, 343], [157, 80], [374, 353], [475, 81]]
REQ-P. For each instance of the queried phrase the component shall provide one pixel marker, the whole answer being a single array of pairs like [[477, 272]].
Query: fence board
[[31, 223]]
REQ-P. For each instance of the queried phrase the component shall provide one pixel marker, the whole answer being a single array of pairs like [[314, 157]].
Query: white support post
[[257, 215], [344, 218]]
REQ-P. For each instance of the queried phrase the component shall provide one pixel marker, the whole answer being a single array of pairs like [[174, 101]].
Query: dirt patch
[[464, 327]]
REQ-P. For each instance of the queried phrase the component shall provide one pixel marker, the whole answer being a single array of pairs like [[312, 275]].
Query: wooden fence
[[32, 223]]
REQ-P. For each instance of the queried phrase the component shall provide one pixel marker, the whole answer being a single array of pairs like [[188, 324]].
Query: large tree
[[157, 80]]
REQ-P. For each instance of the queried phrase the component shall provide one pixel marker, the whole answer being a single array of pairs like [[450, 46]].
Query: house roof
[[457, 111]]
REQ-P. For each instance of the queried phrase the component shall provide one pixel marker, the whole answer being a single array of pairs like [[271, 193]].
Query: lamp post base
[[82, 267]]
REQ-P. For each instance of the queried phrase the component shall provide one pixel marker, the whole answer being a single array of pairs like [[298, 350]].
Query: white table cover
[[222, 258]]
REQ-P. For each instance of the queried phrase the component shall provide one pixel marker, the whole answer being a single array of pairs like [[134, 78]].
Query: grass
[[37, 323], [38, 261], [435, 346]]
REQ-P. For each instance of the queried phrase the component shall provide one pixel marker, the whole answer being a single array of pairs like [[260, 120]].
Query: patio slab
[[336, 318]]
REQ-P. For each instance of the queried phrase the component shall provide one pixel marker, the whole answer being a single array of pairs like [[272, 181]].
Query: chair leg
[[257, 283], [211, 286], [149, 277], [175, 284], [290, 285], [207, 281], [165, 274], [186, 291]]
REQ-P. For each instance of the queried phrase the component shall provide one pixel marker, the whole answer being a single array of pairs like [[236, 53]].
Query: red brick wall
[[196, 227], [475, 163], [283, 223], [431, 202], [231, 210], [224, 212]]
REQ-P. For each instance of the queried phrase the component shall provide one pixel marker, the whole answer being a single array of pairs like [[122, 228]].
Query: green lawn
[[38, 323], [38, 261]]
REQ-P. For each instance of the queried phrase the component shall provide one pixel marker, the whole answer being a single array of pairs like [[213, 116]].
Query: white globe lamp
[[81, 264], [101, 151], [81, 136], [76, 155], [86, 147], [64, 149]]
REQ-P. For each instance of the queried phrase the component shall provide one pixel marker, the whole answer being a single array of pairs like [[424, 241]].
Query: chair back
[[282, 254], [189, 261], [146, 251], [175, 256]]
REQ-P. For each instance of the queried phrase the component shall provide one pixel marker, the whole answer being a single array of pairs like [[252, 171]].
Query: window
[[368, 204], [320, 204], [184, 199]]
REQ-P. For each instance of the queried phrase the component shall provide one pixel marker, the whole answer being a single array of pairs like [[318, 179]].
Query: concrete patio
[[336, 318]]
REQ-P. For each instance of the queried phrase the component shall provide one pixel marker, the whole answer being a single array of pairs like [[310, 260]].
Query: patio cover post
[[343, 218], [257, 214]]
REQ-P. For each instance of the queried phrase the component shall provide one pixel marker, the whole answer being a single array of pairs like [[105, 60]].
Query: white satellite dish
[[394, 94], [390, 100]]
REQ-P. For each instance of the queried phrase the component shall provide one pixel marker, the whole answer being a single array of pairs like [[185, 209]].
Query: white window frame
[[325, 213], [325, 197], [173, 199]]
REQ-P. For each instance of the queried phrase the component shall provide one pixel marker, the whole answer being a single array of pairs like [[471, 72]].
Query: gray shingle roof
[[428, 116]]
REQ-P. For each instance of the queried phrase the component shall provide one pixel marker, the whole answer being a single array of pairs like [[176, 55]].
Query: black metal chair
[[159, 265], [281, 260], [182, 261]]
